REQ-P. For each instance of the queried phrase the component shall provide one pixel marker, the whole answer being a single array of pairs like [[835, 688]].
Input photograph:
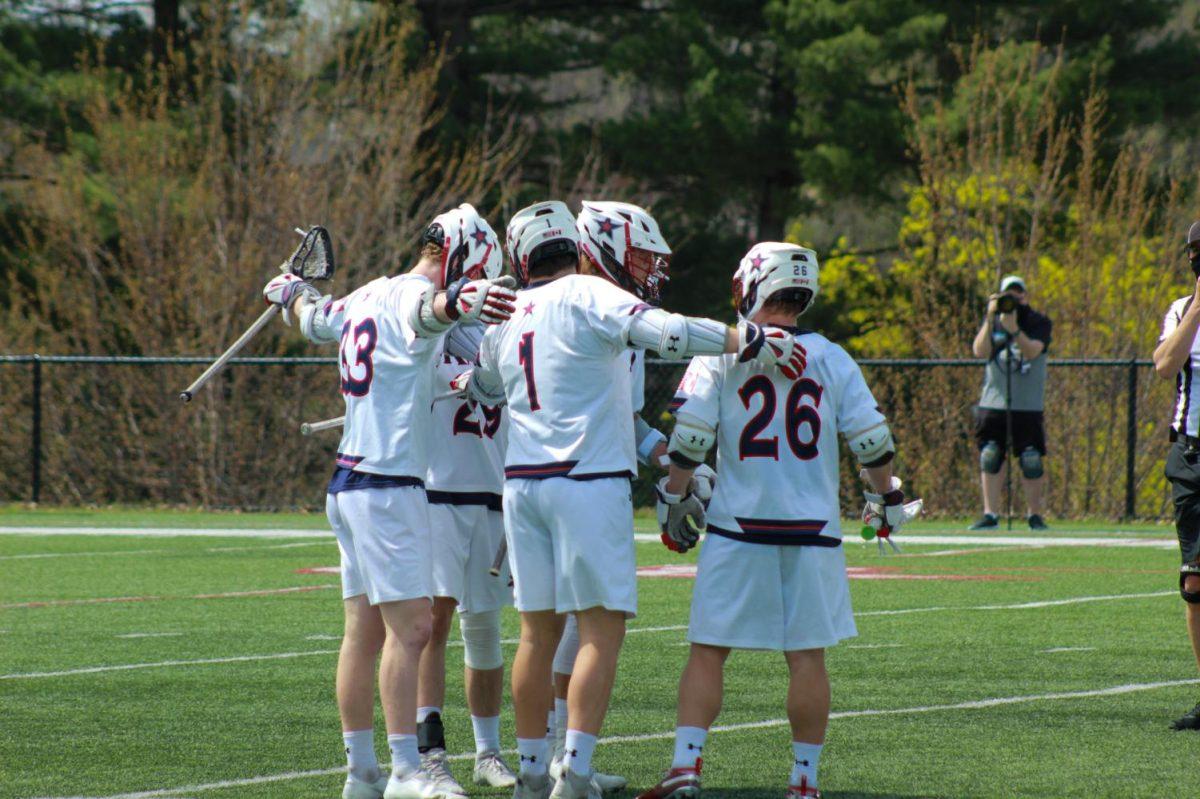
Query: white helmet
[[624, 241], [772, 267], [540, 231], [470, 248]]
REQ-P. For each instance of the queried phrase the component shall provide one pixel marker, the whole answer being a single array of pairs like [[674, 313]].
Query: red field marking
[[320, 570], [49, 603], [687, 571]]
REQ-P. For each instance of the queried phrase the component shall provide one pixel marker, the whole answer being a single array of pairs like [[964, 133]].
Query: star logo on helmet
[[757, 261], [607, 226], [479, 235]]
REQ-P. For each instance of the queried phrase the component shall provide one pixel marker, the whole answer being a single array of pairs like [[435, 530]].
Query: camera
[[1006, 303]]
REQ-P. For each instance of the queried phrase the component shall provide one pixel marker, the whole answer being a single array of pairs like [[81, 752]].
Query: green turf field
[[195, 666]]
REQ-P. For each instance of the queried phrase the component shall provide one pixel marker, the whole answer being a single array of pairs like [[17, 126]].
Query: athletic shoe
[[532, 786], [605, 783], [362, 789], [413, 785], [575, 786], [679, 783], [1036, 522], [490, 769], [1188, 721], [987, 521], [437, 766]]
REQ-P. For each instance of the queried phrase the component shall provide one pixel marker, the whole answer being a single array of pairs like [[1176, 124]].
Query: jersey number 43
[[355, 357], [797, 415]]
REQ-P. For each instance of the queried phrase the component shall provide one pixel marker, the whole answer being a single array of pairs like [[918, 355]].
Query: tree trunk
[[166, 27]]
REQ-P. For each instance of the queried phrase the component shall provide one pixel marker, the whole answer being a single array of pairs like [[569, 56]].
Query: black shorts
[[1183, 470], [1027, 427]]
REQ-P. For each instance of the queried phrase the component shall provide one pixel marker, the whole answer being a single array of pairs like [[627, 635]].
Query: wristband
[[452, 292]]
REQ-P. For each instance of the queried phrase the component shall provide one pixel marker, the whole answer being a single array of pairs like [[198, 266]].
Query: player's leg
[[601, 633], [808, 713], [431, 695], [1183, 470], [408, 624], [362, 640], [564, 667]]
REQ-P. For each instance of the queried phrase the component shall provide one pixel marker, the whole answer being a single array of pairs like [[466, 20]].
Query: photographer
[[1176, 356], [1014, 338]]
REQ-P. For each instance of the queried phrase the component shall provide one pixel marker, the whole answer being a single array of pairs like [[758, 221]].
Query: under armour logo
[[347, 750], [693, 441], [529, 758], [671, 347], [802, 763], [697, 748], [573, 752]]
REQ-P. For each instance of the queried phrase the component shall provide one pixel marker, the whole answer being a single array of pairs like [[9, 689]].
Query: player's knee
[[991, 457], [481, 640], [709, 655], [1031, 463], [1189, 583]]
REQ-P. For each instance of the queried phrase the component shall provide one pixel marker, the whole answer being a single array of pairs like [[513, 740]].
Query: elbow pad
[[423, 320], [314, 323], [675, 336], [873, 446], [691, 440], [647, 439]]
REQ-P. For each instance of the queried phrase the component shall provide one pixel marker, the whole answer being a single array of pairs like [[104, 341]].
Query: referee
[[1177, 356]]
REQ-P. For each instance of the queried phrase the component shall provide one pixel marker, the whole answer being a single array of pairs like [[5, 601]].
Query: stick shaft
[[233, 350], [308, 428], [501, 556]]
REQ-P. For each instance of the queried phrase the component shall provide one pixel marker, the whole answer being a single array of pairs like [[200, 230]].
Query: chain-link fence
[[96, 430]]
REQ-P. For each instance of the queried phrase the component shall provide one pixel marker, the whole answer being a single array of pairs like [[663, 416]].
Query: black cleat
[[1189, 721], [1036, 522], [987, 521]]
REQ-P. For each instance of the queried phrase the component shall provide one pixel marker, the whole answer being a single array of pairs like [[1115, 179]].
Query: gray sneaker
[[490, 769], [532, 786], [436, 764], [575, 786]]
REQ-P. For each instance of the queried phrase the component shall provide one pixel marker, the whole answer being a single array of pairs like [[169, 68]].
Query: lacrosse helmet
[[470, 248], [774, 270], [543, 230], [624, 241]]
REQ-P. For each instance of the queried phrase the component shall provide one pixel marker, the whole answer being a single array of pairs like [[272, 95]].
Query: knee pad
[[991, 457], [1191, 597], [1031, 463], [568, 647], [481, 640]]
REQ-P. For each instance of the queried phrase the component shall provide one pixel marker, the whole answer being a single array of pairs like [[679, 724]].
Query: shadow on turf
[[774, 791]]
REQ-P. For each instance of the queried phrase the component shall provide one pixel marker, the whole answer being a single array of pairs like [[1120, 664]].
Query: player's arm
[[483, 382], [651, 443], [299, 298], [488, 301], [675, 336], [1178, 335]]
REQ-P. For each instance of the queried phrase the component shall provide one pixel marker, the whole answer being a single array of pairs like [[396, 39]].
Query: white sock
[[487, 733], [805, 763], [560, 723], [689, 746], [533, 755], [405, 758], [360, 754], [550, 729], [423, 713], [578, 753]]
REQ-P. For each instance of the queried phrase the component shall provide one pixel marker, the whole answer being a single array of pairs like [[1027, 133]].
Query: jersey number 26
[[797, 414]]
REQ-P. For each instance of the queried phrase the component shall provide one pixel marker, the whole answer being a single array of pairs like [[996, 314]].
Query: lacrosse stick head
[[313, 259]]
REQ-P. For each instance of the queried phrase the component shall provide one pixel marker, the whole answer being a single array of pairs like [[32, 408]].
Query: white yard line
[[1046, 603], [104, 600], [1069, 649], [29, 675], [149, 635], [978, 704], [35, 555], [171, 532]]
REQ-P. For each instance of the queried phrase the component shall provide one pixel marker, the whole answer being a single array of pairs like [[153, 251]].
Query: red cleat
[[802, 791], [680, 783]]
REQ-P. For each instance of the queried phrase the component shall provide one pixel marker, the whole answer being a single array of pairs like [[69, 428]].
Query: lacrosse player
[[772, 573], [389, 332], [560, 363], [464, 484]]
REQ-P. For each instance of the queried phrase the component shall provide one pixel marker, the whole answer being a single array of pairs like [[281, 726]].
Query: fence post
[[35, 462], [1131, 439]]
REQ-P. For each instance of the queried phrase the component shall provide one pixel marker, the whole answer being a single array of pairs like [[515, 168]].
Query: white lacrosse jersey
[[777, 441], [564, 364], [637, 379], [1186, 419], [386, 378], [466, 447]]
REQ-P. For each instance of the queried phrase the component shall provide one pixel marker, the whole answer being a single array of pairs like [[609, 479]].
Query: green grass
[[116, 732]]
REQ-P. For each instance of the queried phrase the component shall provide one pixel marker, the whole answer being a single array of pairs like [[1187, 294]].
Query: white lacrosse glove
[[771, 346], [884, 514], [705, 480], [680, 517], [460, 383], [489, 301], [283, 289]]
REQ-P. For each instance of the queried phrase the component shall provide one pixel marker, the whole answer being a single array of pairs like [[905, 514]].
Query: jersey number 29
[[797, 413]]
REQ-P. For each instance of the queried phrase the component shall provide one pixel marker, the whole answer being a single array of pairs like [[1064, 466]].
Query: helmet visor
[[649, 271]]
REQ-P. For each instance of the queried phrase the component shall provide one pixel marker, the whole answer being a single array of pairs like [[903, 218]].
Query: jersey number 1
[[525, 358], [796, 414]]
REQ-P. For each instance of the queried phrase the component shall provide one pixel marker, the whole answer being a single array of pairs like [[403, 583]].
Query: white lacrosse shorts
[[383, 535], [465, 540], [570, 544], [758, 596]]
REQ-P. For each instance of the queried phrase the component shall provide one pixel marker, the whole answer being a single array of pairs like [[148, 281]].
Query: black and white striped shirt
[[1186, 420]]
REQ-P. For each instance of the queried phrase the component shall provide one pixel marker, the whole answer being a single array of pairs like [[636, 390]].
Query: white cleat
[[575, 786], [411, 785], [605, 783], [490, 769], [530, 786], [437, 766], [364, 789]]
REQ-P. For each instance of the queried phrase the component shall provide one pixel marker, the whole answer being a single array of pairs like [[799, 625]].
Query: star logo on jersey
[[607, 226], [479, 235], [528, 309]]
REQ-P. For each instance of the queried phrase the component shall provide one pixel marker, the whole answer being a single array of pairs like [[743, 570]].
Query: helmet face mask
[[625, 243]]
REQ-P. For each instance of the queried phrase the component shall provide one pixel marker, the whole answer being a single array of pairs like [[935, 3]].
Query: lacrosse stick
[[312, 260], [308, 428], [501, 555], [873, 526]]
